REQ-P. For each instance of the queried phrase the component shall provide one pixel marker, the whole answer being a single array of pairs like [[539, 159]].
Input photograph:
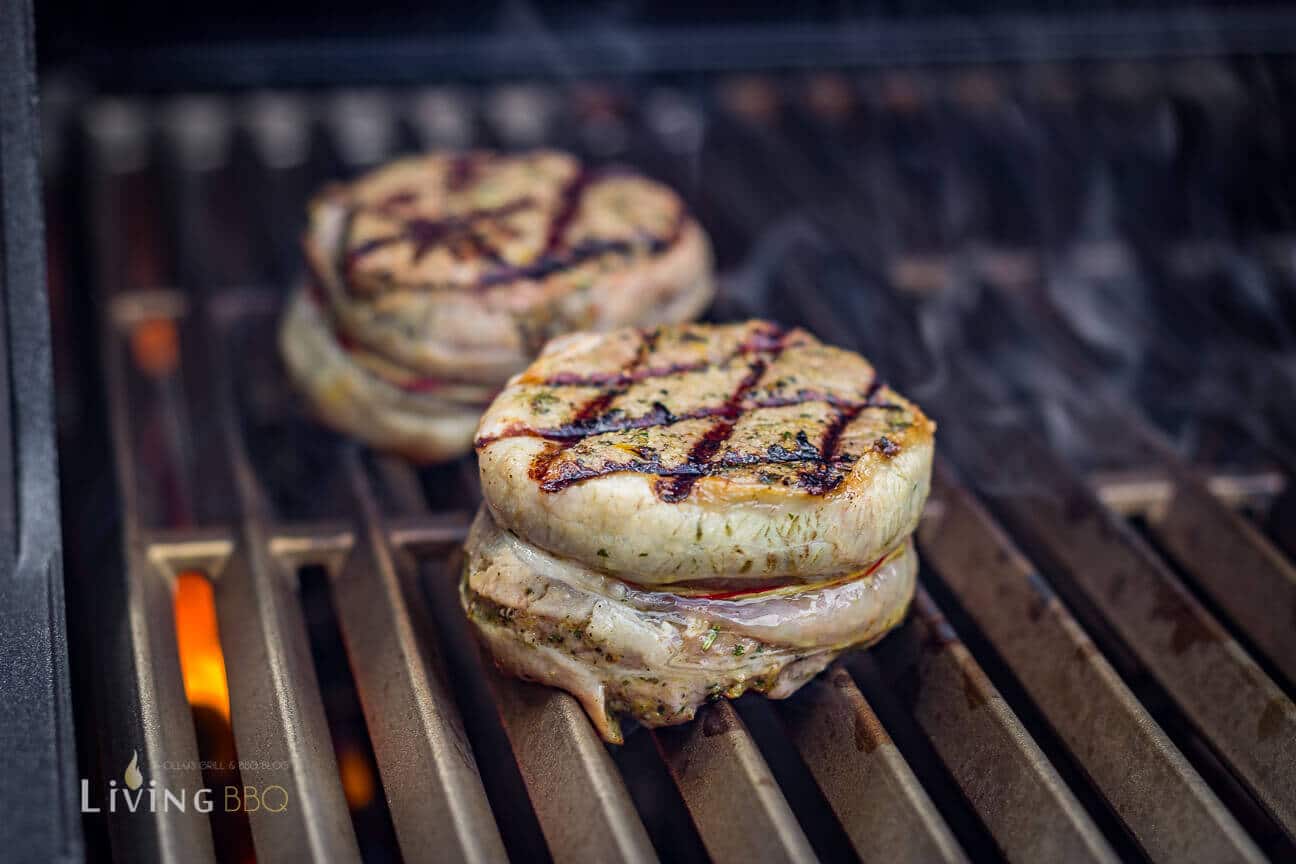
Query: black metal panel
[[38, 791], [380, 46]]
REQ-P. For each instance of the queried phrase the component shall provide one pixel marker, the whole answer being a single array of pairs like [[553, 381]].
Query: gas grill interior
[[1085, 271]]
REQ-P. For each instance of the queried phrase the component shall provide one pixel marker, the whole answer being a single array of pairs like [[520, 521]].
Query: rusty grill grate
[[1099, 664]]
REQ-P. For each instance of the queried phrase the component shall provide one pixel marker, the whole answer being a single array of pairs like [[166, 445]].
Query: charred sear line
[[464, 171], [621, 379], [586, 415], [762, 341], [568, 206], [677, 488], [617, 420], [826, 467], [458, 232], [428, 234], [557, 262], [649, 462], [826, 475]]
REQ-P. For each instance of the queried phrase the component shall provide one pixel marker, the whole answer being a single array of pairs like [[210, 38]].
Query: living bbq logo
[[135, 795]]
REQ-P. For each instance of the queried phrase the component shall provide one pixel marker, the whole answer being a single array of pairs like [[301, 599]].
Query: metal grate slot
[[352, 748], [1236, 566], [207, 689], [1242, 712], [809, 805], [1015, 791], [665, 816], [870, 787], [1075, 687], [736, 804]]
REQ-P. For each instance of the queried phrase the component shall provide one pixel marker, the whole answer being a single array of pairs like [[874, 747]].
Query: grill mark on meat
[[755, 344], [397, 199], [587, 416], [676, 489], [674, 485], [569, 202], [549, 264], [428, 234], [621, 379], [555, 257], [826, 475], [650, 463], [675, 482], [659, 415], [464, 171]]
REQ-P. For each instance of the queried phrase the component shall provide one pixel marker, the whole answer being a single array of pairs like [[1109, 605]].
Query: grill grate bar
[[438, 804], [736, 804], [137, 619], [882, 806], [1014, 789], [275, 702], [574, 789], [1225, 694], [1076, 688], [1219, 687], [584, 809], [576, 792], [1237, 566], [1241, 570], [578, 797]]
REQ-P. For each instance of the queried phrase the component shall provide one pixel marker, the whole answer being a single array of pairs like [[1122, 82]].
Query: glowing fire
[[202, 663], [155, 346], [357, 778]]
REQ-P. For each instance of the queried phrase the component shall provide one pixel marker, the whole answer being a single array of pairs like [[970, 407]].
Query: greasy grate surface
[[1101, 662]]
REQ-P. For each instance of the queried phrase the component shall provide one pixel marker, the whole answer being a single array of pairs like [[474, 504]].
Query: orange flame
[[357, 778], [202, 663], [155, 346]]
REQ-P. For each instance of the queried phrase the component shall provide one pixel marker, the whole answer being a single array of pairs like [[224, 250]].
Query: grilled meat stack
[[435, 278], [685, 513]]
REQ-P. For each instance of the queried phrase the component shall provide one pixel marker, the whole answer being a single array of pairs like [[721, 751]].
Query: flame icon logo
[[134, 779]]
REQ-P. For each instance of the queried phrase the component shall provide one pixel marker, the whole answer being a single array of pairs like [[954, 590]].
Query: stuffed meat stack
[[435, 278], [685, 513]]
